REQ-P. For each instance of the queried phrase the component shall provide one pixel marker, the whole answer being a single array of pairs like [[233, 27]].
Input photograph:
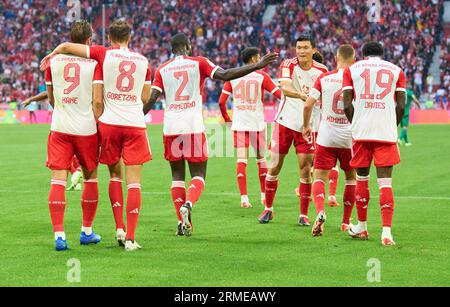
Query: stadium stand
[[220, 30]]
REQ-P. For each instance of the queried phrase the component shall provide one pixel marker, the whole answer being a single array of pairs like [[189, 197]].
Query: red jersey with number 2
[[181, 80], [374, 83], [125, 73]]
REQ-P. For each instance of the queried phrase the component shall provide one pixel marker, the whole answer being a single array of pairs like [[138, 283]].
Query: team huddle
[[100, 96]]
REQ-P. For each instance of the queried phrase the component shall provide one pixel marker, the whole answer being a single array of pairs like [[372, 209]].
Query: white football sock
[[87, 230], [386, 232], [244, 199], [263, 196], [60, 234]]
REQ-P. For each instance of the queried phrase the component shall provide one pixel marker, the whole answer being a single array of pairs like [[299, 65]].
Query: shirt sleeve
[[316, 91], [286, 70], [347, 82], [97, 53], [157, 82], [207, 68], [48, 76], [401, 82], [98, 75], [148, 76], [227, 89]]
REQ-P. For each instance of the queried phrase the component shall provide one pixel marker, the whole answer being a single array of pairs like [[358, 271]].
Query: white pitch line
[[237, 194]]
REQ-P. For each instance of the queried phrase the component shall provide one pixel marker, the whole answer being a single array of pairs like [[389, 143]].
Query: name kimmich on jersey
[[290, 112], [125, 73], [374, 83], [335, 129], [248, 92], [181, 80], [71, 78]]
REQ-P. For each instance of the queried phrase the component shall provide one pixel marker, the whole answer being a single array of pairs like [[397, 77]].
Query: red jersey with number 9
[[374, 83], [125, 73], [181, 80], [71, 78]]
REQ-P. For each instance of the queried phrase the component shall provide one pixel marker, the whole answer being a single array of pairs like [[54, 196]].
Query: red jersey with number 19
[[181, 80], [125, 72], [374, 83]]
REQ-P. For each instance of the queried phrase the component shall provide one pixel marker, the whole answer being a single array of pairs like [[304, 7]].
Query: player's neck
[[121, 45], [305, 65]]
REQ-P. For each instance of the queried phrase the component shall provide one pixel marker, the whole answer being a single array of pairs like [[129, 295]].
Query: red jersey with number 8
[[374, 83], [124, 73], [181, 80]]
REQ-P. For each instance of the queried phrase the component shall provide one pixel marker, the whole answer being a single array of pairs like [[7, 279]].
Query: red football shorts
[[325, 158], [61, 147], [242, 139], [189, 147], [283, 137], [129, 143], [383, 154]]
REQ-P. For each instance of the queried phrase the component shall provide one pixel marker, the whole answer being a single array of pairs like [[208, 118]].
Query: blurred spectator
[[219, 30]]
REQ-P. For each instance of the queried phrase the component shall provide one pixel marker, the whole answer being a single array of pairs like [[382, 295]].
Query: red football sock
[[318, 190], [262, 172], [116, 199], [57, 204], [241, 175], [349, 200], [362, 197], [133, 209], [89, 201], [196, 187], [271, 190], [178, 190], [333, 177], [386, 201], [305, 196]]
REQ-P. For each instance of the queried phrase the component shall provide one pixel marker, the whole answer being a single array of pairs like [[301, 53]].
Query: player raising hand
[[122, 126], [181, 80]]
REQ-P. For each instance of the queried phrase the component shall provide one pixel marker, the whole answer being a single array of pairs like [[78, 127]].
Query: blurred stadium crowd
[[410, 30]]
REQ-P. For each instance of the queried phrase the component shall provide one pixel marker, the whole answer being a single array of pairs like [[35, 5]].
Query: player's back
[[71, 78], [374, 82], [335, 129], [125, 73], [248, 93], [181, 79]]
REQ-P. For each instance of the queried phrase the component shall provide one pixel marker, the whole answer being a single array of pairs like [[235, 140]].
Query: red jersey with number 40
[[248, 92], [181, 80], [374, 83], [334, 129], [71, 78], [125, 73]]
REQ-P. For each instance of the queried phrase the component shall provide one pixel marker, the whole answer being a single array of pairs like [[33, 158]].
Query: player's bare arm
[[234, 73], [348, 106], [145, 96], [154, 95], [51, 97], [97, 100], [37, 98], [416, 101], [65, 48], [289, 91], [400, 98], [307, 111]]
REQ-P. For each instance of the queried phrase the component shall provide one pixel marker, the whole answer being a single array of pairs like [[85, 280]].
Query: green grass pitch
[[229, 247]]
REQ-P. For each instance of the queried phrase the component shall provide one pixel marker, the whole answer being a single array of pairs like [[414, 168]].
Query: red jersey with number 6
[[124, 73], [374, 83], [181, 80], [71, 78]]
